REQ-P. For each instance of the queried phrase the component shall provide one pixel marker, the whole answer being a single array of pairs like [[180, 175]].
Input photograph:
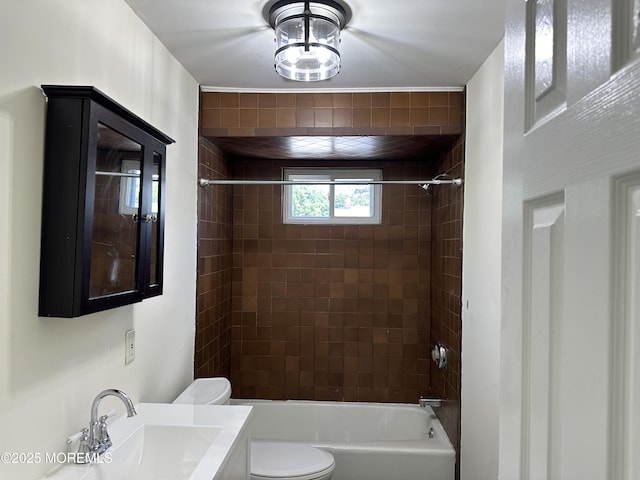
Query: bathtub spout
[[430, 402]]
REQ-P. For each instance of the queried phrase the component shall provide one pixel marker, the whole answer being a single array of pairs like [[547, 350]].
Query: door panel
[[625, 443], [544, 239], [584, 364], [570, 381], [546, 68]]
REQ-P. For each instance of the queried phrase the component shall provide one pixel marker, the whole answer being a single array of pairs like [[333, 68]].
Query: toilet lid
[[288, 460], [206, 391]]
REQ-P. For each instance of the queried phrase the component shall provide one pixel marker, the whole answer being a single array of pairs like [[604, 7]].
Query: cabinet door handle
[[148, 218]]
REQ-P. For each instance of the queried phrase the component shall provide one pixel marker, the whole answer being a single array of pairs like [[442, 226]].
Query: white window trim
[[333, 174], [126, 184]]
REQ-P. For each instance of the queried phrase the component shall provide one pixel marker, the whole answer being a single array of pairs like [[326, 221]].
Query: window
[[130, 188], [350, 203]]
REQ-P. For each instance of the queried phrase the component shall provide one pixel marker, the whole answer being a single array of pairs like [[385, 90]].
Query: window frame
[[332, 174], [129, 182]]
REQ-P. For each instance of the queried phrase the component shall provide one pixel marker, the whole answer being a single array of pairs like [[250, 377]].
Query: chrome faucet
[[99, 440], [430, 402]]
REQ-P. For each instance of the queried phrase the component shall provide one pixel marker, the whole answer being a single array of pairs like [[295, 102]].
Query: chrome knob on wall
[[439, 354]]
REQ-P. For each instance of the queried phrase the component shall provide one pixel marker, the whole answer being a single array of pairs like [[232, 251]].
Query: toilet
[[269, 460]]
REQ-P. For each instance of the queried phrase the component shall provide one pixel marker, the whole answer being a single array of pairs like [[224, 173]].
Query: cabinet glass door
[[116, 214], [155, 259]]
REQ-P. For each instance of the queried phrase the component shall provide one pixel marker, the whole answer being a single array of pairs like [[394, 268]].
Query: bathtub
[[370, 441]]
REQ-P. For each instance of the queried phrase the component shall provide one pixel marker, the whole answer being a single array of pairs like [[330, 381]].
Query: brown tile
[[267, 100], [229, 117], [210, 118], [342, 100], [439, 116], [362, 100], [381, 100], [420, 99], [323, 117], [248, 100], [286, 100], [450, 130], [267, 118], [248, 117], [380, 117], [455, 116], [214, 132], [241, 131], [209, 100], [229, 100], [361, 117], [322, 100], [286, 117], [306, 379], [400, 99], [419, 116], [304, 117], [304, 100], [439, 99], [342, 117], [399, 117], [321, 131], [428, 130], [456, 99]]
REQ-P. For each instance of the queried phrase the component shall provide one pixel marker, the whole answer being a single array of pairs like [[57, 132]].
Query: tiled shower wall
[[363, 113], [213, 305], [331, 312], [446, 290], [267, 344]]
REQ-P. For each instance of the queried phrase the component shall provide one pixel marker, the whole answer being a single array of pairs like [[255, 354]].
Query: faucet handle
[[109, 414], [103, 436], [83, 447], [82, 435]]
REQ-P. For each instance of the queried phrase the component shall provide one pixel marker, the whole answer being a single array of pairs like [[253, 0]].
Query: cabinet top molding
[[92, 93]]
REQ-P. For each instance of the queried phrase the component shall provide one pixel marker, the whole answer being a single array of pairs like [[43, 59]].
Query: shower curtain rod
[[422, 183]]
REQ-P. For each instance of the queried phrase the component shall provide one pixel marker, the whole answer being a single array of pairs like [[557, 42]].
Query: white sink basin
[[155, 452], [170, 442]]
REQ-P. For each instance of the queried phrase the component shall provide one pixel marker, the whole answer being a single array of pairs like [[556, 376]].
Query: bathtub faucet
[[430, 402]]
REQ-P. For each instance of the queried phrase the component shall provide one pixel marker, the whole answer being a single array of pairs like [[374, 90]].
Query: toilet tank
[[206, 391]]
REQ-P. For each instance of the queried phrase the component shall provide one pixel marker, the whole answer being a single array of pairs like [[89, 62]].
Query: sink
[[172, 442], [156, 452]]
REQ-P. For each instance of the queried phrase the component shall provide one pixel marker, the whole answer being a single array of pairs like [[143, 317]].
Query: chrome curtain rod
[[422, 183]]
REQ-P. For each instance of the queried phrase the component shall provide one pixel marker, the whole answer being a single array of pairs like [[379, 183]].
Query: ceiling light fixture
[[307, 36]]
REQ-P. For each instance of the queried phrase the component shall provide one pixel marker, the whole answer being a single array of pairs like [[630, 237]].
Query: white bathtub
[[370, 441]]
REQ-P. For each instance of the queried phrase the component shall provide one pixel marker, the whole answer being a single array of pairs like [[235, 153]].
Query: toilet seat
[[290, 461]]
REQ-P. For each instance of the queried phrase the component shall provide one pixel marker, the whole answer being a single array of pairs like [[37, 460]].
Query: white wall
[[481, 271], [51, 368]]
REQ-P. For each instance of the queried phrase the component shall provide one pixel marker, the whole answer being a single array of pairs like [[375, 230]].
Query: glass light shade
[[307, 36]]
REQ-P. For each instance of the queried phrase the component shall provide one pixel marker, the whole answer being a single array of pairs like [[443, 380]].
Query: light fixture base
[[272, 5]]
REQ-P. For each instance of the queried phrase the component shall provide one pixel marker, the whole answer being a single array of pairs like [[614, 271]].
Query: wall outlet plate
[[129, 347]]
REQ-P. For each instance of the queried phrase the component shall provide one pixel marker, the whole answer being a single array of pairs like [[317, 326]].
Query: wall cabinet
[[103, 204]]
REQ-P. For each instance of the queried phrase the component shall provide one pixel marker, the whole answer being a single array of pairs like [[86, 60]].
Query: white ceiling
[[387, 45]]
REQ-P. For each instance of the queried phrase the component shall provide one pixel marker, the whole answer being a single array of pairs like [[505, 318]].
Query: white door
[[570, 339]]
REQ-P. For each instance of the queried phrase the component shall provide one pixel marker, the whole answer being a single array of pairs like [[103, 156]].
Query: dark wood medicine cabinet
[[102, 240]]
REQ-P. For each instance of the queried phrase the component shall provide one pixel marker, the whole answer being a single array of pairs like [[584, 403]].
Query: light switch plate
[[130, 346]]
